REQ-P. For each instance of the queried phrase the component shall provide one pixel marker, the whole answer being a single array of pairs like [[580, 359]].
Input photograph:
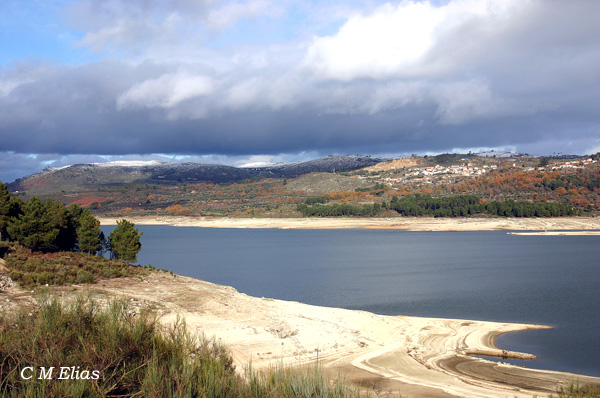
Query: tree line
[[337, 210], [311, 200], [571, 182], [465, 205], [425, 205], [49, 226]]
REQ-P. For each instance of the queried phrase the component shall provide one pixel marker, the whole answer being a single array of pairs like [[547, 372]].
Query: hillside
[[190, 189], [322, 183], [395, 164], [79, 177]]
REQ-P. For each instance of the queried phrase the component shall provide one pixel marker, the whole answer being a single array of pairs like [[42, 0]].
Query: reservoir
[[488, 276]]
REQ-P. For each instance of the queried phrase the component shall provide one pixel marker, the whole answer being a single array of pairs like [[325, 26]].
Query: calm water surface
[[492, 276]]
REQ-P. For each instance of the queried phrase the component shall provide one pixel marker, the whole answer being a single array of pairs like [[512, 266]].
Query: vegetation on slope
[[533, 180], [467, 205], [55, 245], [576, 390], [83, 350], [63, 268]]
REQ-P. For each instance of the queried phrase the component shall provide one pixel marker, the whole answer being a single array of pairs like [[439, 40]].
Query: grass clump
[[307, 382], [576, 390], [114, 352], [62, 268], [131, 355]]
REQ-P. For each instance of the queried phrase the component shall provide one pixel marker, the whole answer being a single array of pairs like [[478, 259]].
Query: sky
[[234, 82]]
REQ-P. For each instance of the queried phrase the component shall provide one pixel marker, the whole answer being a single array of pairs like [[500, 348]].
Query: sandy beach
[[576, 225], [411, 356]]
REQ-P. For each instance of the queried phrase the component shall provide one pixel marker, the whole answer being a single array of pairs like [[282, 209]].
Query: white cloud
[[229, 14], [395, 95], [377, 45], [20, 74], [401, 40], [244, 94], [167, 91], [6, 86], [165, 31]]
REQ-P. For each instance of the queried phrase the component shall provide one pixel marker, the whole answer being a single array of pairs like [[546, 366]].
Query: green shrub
[[317, 199], [338, 210], [85, 277], [15, 275], [308, 381]]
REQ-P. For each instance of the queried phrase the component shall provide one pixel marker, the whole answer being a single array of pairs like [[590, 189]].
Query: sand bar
[[578, 225], [416, 357]]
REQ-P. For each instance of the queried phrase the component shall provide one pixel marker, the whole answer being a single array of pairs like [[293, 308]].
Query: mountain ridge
[[155, 172]]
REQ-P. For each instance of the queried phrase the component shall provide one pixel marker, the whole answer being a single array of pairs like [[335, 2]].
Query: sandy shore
[[416, 357], [557, 233], [576, 225]]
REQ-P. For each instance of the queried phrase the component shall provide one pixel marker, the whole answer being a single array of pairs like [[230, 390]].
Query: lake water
[[493, 276]]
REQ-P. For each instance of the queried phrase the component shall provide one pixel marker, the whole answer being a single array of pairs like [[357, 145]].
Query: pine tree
[[4, 210], [125, 242], [35, 228], [66, 240], [88, 233]]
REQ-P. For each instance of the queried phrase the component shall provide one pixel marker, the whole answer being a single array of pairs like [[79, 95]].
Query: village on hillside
[[470, 169]]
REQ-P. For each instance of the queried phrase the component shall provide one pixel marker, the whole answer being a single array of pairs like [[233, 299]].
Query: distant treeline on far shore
[[425, 205]]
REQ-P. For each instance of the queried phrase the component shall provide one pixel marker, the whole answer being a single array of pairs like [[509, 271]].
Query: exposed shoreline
[[575, 225], [411, 355]]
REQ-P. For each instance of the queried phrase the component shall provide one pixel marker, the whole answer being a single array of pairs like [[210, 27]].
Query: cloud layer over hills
[[231, 79]]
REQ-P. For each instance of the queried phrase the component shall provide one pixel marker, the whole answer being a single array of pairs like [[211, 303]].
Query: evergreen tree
[[125, 241], [89, 233], [71, 221], [4, 210], [66, 240], [35, 228]]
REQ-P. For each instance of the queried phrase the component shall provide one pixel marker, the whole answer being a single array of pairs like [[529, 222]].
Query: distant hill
[[276, 190], [395, 164], [76, 177], [322, 183]]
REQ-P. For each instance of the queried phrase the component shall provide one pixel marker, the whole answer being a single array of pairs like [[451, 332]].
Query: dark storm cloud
[[402, 78], [76, 110]]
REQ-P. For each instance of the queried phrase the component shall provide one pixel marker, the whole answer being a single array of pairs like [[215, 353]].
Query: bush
[[4, 246], [85, 277]]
